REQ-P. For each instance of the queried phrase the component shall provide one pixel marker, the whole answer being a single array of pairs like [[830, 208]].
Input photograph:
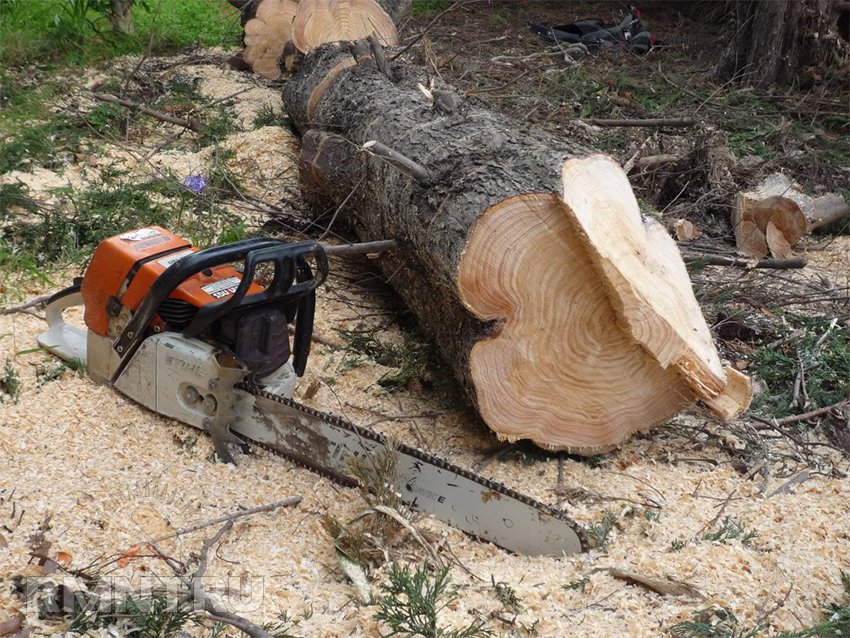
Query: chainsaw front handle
[[288, 259]]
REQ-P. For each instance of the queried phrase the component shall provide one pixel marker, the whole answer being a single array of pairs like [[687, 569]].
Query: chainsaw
[[202, 336]]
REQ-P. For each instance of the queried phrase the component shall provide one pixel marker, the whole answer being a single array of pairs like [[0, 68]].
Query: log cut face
[[497, 268], [558, 335], [266, 34], [321, 21]]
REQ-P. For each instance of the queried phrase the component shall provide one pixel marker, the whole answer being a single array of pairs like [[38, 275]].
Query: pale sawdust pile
[[113, 475]]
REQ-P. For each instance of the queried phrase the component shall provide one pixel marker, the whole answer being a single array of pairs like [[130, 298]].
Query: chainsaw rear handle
[[264, 249]]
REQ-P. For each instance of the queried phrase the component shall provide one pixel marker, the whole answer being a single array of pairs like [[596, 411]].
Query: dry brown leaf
[[11, 626], [63, 558], [685, 230]]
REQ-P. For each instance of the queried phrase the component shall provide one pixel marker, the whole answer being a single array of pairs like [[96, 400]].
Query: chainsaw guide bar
[[478, 506]]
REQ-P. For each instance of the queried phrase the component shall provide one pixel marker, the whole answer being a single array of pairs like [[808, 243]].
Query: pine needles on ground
[[413, 600]]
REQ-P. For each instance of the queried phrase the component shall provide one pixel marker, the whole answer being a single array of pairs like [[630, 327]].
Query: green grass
[[23, 102], [10, 383], [427, 7], [414, 359], [826, 366], [48, 145], [71, 233], [718, 622], [599, 533], [54, 31], [730, 529], [712, 622]]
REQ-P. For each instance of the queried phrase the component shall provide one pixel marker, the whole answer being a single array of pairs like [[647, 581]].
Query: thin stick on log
[[362, 52], [364, 248], [192, 125], [378, 55], [287, 502], [658, 121], [340, 207], [717, 260], [403, 163]]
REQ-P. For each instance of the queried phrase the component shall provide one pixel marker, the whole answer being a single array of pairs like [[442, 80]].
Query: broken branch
[[658, 121], [403, 163], [805, 416], [663, 586], [287, 502], [364, 248], [717, 260], [192, 125], [379, 57]]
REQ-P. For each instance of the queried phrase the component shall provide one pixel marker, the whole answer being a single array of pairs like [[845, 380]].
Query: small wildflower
[[195, 183]]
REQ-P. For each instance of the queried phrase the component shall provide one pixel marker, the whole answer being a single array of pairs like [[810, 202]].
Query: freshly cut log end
[[318, 22], [780, 202], [643, 272], [266, 35], [559, 369]]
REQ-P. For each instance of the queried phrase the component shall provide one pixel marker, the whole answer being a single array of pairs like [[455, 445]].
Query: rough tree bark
[[779, 41], [551, 338]]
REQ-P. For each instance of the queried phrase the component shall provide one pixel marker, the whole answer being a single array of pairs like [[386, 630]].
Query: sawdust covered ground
[[111, 475]]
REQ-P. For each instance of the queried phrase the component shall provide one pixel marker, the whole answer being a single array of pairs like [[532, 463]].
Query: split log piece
[[498, 262]]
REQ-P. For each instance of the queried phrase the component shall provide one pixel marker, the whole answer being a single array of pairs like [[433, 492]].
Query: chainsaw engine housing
[[122, 272]]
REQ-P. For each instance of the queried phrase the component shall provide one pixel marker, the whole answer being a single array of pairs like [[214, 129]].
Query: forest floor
[[751, 517]]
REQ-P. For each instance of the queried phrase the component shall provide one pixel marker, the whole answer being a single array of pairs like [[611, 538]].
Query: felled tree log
[[773, 217], [553, 335]]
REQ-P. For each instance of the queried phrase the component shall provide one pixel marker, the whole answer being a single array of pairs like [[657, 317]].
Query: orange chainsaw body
[[124, 267]]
